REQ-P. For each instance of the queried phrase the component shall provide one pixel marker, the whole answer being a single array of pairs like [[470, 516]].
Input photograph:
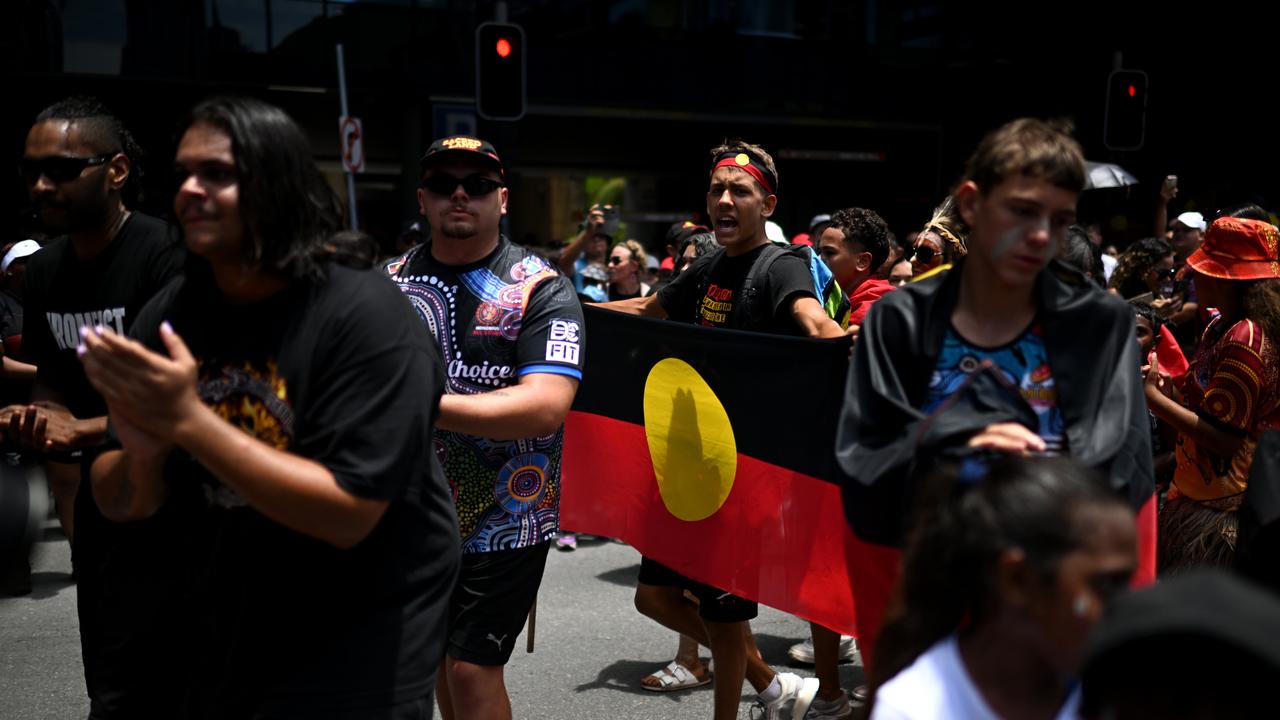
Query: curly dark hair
[[866, 228], [1129, 277]]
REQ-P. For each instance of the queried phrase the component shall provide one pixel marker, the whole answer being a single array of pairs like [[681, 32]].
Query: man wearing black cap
[[725, 289], [511, 332]]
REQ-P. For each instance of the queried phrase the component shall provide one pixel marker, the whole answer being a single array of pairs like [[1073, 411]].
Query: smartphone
[[610, 225], [1170, 183]]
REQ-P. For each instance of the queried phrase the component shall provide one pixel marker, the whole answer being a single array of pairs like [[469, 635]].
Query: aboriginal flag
[[711, 451]]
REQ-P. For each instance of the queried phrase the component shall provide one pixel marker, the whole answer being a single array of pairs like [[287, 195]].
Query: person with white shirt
[[1011, 564]]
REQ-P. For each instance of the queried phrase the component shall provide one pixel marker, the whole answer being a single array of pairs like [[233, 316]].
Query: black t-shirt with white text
[[709, 291], [278, 623], [64, 293], [118, 565]]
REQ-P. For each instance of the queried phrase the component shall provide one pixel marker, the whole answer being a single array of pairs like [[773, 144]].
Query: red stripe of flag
[[780, 538]]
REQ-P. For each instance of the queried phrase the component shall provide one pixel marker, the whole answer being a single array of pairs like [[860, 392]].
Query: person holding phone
[[590, 248]]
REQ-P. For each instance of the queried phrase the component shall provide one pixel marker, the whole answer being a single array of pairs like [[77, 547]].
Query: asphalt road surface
[[591, 646]]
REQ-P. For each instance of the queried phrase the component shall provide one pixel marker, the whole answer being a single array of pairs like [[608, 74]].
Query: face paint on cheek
[[1007, 241]]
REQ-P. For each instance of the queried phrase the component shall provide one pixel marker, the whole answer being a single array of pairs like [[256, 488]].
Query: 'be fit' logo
[[562, 343]]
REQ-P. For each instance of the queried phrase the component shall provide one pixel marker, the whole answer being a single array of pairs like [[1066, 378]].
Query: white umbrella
[[1107, 175]]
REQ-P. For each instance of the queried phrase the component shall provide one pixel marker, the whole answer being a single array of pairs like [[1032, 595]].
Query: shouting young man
[[712, 292]]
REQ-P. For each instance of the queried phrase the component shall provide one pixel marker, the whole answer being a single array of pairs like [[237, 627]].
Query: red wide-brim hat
[[1238, 249]]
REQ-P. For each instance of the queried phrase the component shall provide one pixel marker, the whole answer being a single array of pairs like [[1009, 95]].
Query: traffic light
[[1126, 112], [500, 71]]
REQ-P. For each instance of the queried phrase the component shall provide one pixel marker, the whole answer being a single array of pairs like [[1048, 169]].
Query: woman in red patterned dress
[[1228, 399]]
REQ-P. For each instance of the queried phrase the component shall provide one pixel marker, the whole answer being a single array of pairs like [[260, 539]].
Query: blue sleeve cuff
[[572, 372]]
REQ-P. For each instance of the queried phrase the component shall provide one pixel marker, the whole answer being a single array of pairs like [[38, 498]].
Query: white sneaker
[[830, 710], [803, 652], [797, 695]]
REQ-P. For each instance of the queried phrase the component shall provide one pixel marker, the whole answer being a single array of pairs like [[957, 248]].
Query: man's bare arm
[[815, 322], [534, 407], [645, 306]]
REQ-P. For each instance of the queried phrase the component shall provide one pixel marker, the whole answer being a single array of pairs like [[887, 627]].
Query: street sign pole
[[351, 178]]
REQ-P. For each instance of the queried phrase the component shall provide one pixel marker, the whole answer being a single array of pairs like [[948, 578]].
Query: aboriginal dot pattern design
[[507, 493]]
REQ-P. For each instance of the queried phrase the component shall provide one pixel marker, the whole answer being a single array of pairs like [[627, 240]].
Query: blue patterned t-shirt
[[497, 320], [1025, 363]]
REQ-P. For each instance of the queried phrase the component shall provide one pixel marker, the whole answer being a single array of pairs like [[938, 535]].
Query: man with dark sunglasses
[[104, 265], [511, 332]]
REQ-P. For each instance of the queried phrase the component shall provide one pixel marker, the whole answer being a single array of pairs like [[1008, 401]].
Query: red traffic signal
[[500, 71], [1125, 119]]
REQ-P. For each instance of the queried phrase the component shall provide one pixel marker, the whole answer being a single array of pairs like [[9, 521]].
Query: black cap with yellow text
[[461, 146]]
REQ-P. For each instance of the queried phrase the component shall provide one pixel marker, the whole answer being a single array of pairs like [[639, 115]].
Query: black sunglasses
[[58, 168], [923, 253], [474, 185]]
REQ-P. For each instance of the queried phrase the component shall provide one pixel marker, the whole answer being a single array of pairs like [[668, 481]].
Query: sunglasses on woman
[[923, 253], [444, 184], [58, 168]]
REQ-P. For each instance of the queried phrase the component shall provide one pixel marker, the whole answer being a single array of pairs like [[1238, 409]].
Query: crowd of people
[[303, 479]]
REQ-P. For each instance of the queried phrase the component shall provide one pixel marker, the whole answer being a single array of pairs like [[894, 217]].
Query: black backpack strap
[[756, 310], [704, 282]]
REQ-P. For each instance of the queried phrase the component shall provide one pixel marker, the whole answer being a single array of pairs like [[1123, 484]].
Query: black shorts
[[491, 601], [713, 604]]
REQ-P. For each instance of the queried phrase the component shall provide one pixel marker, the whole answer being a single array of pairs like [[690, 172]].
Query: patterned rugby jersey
[[496, 320]]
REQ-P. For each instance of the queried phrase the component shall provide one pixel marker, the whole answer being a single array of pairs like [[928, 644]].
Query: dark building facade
[[869, 102]]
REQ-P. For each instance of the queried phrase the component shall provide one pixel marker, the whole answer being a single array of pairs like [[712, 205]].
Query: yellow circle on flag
[[742, 159], [691, 444]]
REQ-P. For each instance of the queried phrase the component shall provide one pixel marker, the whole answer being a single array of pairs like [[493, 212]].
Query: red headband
[[743, 161]]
